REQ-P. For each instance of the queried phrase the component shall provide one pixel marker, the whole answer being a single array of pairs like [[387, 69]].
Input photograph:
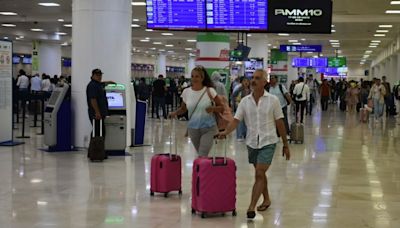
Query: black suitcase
[[96, 150], [343, 105]]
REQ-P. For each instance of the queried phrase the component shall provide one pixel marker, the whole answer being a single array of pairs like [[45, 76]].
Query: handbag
[[299, 96], [195, 107], [222, 118]]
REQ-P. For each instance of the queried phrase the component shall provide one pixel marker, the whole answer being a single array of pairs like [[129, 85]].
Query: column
[[50, 59], [101, 38], [259, 49], [189, 67], [161, 65], [393, 70]]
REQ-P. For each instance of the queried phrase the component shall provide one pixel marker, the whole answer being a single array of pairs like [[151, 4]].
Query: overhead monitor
[[115, 99], [300, 16], [337, 61], [228, 15], [319, 62], [16, 59], [301, 62], [176, 15]]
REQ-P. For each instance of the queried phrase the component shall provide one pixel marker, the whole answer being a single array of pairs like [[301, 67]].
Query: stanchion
[[42, 120], [35, 103], [23, 121]]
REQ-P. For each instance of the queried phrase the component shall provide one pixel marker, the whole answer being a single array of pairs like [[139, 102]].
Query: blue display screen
[[319, 62], [248, 15], [176, 14], [328, 71], [301, 62]]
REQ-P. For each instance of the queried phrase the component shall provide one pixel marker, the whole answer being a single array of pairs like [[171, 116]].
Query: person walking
[[198, 101], [159, 96], [241, 92], [263, 116], [302, 95], [377, 94], [325, 92]]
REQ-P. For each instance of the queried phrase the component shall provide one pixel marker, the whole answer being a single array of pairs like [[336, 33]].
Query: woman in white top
[[377, 94], [198, 101], [46, 84]]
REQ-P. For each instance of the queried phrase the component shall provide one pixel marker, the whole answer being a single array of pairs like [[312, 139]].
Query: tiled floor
[[347, 174]]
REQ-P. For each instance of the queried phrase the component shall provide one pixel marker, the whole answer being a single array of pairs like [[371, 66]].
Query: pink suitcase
[[166, 172], [214, 185]]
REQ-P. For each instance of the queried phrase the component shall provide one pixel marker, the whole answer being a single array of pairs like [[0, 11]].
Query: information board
[[301, 48], [337, 62], [237, 15], [176, 14], [6, 91]]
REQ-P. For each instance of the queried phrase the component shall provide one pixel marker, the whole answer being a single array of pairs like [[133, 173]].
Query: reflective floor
[[347, 174]]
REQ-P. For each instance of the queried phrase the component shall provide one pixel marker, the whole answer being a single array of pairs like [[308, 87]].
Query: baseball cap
[[97, 71]]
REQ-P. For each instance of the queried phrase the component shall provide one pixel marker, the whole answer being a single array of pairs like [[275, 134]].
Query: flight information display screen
[[225, 15], [176, 14]]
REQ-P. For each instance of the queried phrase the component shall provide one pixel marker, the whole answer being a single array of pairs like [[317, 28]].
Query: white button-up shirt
[[260, 119], [23, 82], [36, 84]]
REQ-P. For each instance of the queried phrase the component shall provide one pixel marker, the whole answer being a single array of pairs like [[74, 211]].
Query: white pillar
[[259, 49], [50, 59], [161, 65], [101, 38], [393, 69], [190, 65]]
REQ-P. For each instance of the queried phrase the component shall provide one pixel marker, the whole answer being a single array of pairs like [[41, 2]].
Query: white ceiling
[[355, 21]]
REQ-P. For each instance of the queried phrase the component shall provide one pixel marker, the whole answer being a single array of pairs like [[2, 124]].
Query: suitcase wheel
[[152, 193], [166, 195], [234, 213], [203, 215], [180, 192], [193, 211]]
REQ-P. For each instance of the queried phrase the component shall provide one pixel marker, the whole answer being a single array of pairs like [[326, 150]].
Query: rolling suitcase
[[96, 150], [297, 133], [166, 171], [214, 185]]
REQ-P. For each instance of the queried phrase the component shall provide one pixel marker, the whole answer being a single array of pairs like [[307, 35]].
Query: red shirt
[[325, 89]]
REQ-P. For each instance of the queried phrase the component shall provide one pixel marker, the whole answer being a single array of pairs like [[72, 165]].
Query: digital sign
[[301, 48], [237, 15], [176, 15], [337, 62]]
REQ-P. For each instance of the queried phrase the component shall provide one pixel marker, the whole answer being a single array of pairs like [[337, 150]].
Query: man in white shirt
[[36, 84], [263, 116], [301, 95], [23, 81]]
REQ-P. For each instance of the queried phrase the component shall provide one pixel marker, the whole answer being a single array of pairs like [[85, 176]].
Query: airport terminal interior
[[344, 167]]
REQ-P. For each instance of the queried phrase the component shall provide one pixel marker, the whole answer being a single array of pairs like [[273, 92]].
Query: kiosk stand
[[57, 121], [115, 123]]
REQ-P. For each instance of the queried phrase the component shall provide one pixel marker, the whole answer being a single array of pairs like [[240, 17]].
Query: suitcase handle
[[94, 128], [198, 186], [173, 123], [214, 157]]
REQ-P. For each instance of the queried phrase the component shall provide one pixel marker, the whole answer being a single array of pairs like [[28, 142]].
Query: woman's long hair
[[206, 78]]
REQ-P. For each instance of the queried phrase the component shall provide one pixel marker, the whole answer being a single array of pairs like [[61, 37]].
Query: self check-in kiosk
[[57, 120], [116, 123]]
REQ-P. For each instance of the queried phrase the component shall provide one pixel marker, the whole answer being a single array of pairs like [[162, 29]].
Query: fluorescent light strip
[[293, 41], [149, 30], [395, 3], [135, 26], [379, 35], [8, 25], [36, 30], [157, 43], [167, 34], [382, 31], [135, 20], [283, 34], [48, 4], [333, 30], [296, 43], [169, 45], [138, 3], [60, 20], [385, 26], [68, 25], [8, 14], [191, 41], [61, 33], [334, 41], [144, 40], [376, 41], [392, 12]]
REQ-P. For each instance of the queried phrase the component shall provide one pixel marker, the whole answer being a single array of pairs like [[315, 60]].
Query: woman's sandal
[[263, 207], [251, 214]]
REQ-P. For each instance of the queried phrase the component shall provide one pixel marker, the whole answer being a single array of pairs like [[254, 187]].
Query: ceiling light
[[153, 48], [293, 41], [48, 4], [296, 43], [274, 47], [382, 31], [303, 39], [192, 41], [8, 13], [135, 20], [365, 56], [333, 26], [167, 34], [8, 25], [68, 25], [144, 40], [395, 3], [333, 30], [373, 46], [368, 52], [6, 37], [334, 41], [385, 26], [269, 45], [170, 51], [60, 20], [315, 56], [147, 38], [135, 26], [138, 3], [169, 45], [149, 30], [379, 35], [392, 12], [248, 35], [61, 33], [310, 52], [188, 49], [36, 30], [283, 34], [375, 41], [161, 49], [64, 44], [157, 43]]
